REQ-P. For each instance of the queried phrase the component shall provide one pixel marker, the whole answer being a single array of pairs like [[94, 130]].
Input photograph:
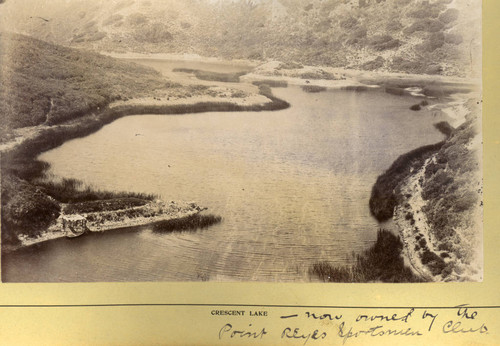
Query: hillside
[[415, 36], [50, 94], [46, 83], [434, 194]]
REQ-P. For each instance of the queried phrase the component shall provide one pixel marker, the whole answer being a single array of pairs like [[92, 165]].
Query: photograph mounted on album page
[[245, 144]]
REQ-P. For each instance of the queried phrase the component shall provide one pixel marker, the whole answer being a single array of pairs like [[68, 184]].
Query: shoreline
[[26, 148], [421, 249], [269, 66], [40, 139], [56, 231]]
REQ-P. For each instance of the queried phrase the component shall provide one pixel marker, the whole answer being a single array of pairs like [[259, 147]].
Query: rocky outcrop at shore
[[71, 225], [437, 205]]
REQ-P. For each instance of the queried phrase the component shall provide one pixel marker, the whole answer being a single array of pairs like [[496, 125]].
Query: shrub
[[383, 42], [450, 15], [447, 270], [25, 208], [348, 23], [357, 35], [418, 67], [154, 33], [394, 25], [452, 38], [374, 64], [415, 107], [435, 263], [422, 242], [425, 11], [434, 41], [425, 25]]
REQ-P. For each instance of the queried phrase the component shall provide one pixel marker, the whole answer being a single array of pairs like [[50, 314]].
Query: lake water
[[292, 187]]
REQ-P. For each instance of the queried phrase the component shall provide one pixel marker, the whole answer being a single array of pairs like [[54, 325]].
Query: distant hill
[[46, 83], [416, 36]]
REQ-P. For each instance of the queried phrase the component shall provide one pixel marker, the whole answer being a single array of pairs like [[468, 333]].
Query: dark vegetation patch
[[418, 106], [383, 42], [395, 90], [74, 191], [449, 16], [104, 205], [318, 74], [418, 66], [213, 76], [375, 64], [357, 88], [445, 128], [188, 223], [272, 83], [153, 33], [453, 38], [435, 263], [290, 66], [348, 23], [446, 90], [25, 209], [424, 25], [381, 262], [434, 41], [313, 88], [357, 36]]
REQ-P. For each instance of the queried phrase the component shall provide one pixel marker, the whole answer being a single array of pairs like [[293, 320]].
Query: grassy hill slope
[[432, 37], [46, 83]]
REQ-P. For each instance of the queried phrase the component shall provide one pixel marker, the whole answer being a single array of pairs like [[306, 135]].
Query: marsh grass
[[357, 88], [105, 205], [21, 162], [313, 88], [381, 262], [188, 223], [74, 191], [445, 128], [213, 76], [272, 83]]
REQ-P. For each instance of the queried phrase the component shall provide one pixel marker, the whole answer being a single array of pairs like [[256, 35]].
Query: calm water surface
[[292, 187]]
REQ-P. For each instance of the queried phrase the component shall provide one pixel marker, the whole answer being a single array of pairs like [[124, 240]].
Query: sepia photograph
[[297, 141]]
